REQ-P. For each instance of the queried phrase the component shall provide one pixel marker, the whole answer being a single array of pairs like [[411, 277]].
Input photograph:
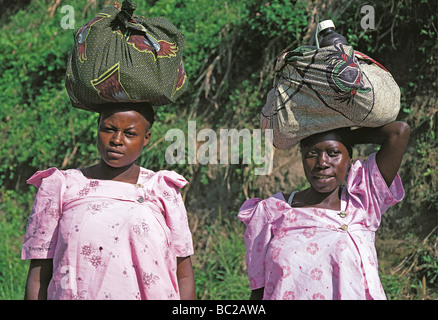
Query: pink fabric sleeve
[[257, 236], [169, 183], [42, 229], [369, 190]]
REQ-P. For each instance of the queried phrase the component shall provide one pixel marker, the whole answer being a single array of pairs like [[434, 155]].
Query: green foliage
[[424, 160], [280, 18], [42, 129], [220, 273], [13, 217], [416, 276], [201, 21], [394, 285], [404, 30]]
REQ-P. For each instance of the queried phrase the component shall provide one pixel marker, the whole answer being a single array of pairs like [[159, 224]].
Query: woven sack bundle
[[119, 57], [317, 90]]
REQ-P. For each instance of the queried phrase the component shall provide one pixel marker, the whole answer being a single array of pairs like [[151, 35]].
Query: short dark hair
[[145, 109], [342, 135]]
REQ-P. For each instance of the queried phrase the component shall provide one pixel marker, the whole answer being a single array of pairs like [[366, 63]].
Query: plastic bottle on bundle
[[326, 30]]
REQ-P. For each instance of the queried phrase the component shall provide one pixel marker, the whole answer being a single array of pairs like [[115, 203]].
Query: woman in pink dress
[[319, 243], [113, 230]]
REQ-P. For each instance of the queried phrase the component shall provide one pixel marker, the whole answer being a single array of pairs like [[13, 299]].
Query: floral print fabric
[[109, 239], [312, 253]]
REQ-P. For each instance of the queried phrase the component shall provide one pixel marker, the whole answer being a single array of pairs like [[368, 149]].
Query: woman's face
[[121, 137], [325, 163]]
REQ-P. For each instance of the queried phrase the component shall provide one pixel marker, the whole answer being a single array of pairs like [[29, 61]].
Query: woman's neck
[[312, 198], [102, 171]]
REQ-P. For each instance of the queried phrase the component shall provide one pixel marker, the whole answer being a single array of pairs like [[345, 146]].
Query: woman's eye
[[310, 154], [334, 153], [107, 129]]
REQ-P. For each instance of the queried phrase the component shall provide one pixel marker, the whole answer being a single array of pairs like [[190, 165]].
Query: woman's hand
[[257, 294]]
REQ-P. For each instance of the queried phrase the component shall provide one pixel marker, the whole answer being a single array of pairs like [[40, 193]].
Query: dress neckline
[[108, 180], [342, 198]]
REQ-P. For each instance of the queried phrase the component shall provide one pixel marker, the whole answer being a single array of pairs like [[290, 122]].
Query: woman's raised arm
[[393, 138]]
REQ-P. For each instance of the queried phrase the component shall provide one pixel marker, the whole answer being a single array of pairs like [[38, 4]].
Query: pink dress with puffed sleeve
[[109, 239], [312, 253]]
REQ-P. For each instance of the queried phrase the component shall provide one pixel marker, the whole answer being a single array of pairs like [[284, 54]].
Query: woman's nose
[[323, 161], [116, 138]]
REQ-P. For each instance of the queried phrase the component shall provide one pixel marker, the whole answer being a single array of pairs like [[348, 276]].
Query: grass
[[13, 271], [414, 274], [220, 271]]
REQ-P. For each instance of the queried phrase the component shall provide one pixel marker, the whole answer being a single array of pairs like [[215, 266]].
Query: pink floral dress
[[312, 253], [109, 239]]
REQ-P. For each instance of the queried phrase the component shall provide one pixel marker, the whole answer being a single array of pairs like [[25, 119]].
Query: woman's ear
[[147, 138]]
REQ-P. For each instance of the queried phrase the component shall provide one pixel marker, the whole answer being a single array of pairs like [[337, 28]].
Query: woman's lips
[[322, 178], [114, 154]]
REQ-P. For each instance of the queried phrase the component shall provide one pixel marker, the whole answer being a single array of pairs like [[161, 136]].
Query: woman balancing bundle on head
[[319, 243], [113, 230]]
